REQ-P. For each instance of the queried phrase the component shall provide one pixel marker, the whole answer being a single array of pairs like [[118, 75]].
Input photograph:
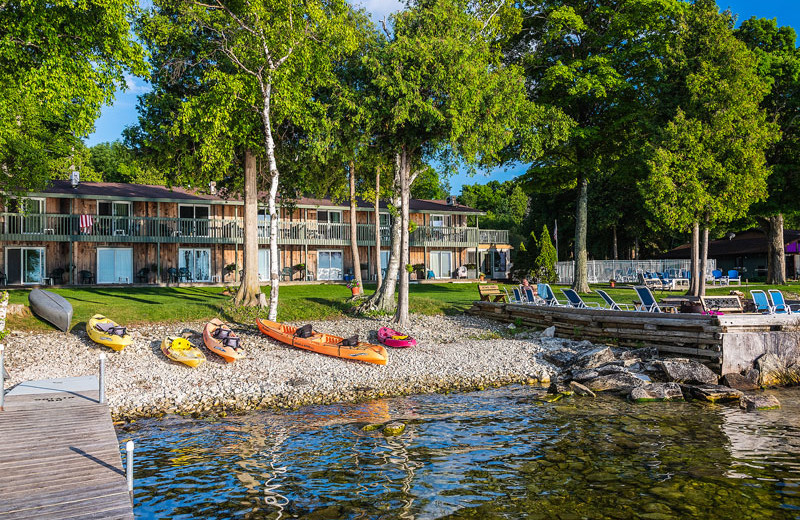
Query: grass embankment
[[131, 306]]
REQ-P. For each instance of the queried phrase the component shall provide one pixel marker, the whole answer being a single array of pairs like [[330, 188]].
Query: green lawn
[[131, 306]]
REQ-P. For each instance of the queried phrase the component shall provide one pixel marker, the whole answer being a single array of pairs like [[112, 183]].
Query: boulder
[[561, 357], [18, 309], [595, 357], [584, 375], [610, 369], [394, 428], [559, 388], [581, 390], [687, 371], [739, 382], [776, 372], [657, 392], [712, 393], [752, 403], [618, 381], [549, 332]]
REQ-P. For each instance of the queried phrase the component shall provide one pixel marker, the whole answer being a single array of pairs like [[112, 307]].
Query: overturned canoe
[[324, 343], [51, 307]]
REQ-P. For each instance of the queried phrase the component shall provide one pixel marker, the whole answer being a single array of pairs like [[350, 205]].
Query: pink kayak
[[392, 338]]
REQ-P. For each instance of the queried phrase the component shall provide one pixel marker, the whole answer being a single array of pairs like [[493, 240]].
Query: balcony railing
[[93, 228]]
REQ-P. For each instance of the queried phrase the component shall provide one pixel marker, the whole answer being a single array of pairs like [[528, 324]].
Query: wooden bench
[[731, 303], [487, 291]]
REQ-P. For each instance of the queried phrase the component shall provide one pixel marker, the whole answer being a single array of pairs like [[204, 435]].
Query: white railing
[[628, 271]]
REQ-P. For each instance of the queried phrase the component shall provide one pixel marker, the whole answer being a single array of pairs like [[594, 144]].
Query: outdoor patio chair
[[779, 305], [718, 278], [649, 303], [530, 297], [462, 272], [574, 300], [733, 276], [172, 275], [614, 306], [185, 274], [57, 276], [762, 302], [86, 276], [547, 295], [142, 275], [517, 298]]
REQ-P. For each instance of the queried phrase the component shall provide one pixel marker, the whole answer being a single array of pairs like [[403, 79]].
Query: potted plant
[[420, 270], [300, 268], [230, 268], [612, 283], [481, 276], [354, 287]]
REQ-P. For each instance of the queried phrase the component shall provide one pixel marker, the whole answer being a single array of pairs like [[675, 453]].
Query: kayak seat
[[221, 333], [306, 331], [109, 328], [231, 341], [352, 341]]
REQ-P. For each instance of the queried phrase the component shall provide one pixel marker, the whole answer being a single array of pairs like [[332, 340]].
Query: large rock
[[739, 382], [618, 381], [584, 375], [559, 388], [595, 357], [657, 392], [549, 332], [752, 403], [640, 353], [712, 393], [776, 372], [561, 357], [610, 369], [394, 428], [687, 371], [581, 390]]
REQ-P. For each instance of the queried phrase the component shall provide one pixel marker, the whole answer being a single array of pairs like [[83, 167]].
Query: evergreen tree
[[545, 264]]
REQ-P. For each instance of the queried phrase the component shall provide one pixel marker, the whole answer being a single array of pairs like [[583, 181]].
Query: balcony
[[93, 228]]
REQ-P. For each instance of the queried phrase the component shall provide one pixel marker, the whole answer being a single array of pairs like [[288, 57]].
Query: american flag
[[86, 222]]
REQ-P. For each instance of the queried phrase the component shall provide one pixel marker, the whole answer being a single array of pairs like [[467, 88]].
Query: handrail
[[229, 230]]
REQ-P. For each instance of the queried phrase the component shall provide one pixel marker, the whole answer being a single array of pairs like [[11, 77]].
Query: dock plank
[[59, 454]]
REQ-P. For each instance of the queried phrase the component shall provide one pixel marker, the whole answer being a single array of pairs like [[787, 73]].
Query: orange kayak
[[220, 339], [324, 343]]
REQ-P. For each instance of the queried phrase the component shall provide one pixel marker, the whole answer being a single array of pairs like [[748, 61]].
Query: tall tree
[[708, 165], [263, 63], [445, 91], [779, 66], [60, 62], [596, 61]]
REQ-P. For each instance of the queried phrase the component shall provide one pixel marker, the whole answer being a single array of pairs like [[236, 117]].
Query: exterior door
[[25, 265], [441, 264], [114, 265], [329, 265], [197, 263], [263, 264]]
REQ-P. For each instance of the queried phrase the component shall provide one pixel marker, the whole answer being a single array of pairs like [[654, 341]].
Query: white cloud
[[379, 8], [135, 88]]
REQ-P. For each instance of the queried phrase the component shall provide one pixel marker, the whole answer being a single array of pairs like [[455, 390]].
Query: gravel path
[[453, 353]]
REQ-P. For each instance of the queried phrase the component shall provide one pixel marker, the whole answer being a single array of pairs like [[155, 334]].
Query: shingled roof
[[753, 242]]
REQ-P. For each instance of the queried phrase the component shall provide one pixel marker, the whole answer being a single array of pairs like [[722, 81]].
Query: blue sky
[[122, 113]]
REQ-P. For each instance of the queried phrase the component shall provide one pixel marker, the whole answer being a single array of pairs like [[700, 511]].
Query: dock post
[[2, 378], [129, 467], [102, 378]]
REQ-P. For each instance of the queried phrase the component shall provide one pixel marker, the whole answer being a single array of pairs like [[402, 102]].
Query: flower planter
[[355, 290]]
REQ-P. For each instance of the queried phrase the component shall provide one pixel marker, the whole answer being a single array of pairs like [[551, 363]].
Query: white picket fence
[[627, 271]]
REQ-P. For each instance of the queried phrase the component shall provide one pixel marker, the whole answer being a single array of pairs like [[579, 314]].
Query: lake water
[[502, 453]]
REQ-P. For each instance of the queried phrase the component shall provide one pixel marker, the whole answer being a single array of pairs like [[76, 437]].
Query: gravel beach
[[453, 353]]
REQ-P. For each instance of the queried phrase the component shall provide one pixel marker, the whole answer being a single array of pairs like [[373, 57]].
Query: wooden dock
[[59, 454], [727, 343]]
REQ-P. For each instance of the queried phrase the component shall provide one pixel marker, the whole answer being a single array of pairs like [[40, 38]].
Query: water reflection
[[502, 453]]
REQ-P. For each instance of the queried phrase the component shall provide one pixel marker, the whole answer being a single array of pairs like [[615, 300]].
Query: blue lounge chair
[[531, 298], [762, 302], [517, 298], [574, 300], [779, 305], [547, 295], [649, 303], [614, 306], [733, 276], [718, 278]]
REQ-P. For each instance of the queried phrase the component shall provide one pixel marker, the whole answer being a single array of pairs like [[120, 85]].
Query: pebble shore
[[453, 353]]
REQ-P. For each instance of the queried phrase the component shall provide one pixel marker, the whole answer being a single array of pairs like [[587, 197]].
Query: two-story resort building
[[115, 233]]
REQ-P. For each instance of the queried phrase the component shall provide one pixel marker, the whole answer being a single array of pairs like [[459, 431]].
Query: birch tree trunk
[[581, 281], [354, 229], [401, 316], [274, 179], [249, 289], [694, 286], [703, 261], [776, 251], [383, 299], [379, 275]]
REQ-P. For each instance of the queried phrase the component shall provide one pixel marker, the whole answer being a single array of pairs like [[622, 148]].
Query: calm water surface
[[501, 453]]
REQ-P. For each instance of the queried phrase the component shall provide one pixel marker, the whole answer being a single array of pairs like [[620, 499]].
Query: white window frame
[[97, 266], [194, 261], [341, 251], [328, 213], [113, 204], [444, 221], [22, 263], [42, 211]]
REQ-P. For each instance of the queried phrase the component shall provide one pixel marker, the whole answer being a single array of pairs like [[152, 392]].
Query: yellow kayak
[[107, 332], [182, 351]]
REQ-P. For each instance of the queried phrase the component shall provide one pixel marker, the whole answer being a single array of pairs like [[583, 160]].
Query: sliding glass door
[[329, 265], [441, 264], [25, 265], [195, 264], [114, 265]]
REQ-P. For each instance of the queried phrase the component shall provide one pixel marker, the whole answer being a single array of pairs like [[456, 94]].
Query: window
[[114, 265], [329, 224], [329, 216], [25, 265], [114, 217], [329, 265], [194, 219], [264, 219], [441, 264], [194, 265], [386, 222]]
